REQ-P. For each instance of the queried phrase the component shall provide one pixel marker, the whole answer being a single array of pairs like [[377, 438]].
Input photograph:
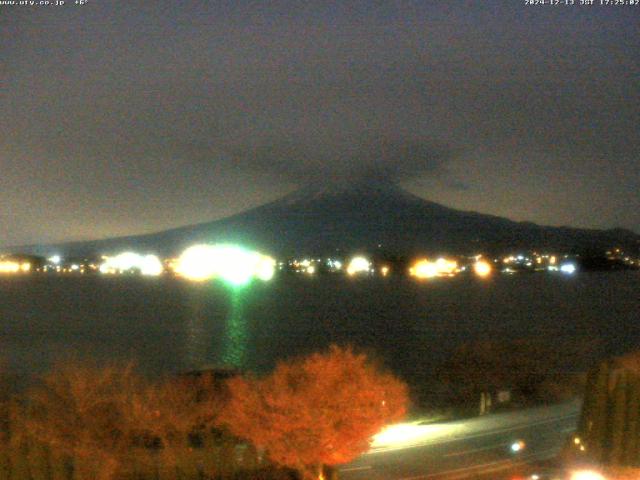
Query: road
[[474, 448]]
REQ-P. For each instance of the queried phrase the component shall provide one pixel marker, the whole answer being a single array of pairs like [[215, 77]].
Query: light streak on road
[[410, 435], [407, 435], [461, 449]]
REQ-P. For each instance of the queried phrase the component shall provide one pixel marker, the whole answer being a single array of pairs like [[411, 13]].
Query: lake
[[170, 325]]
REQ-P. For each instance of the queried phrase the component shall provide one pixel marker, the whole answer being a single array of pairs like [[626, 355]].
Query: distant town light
[[151, 265], [447, 267], [55, 259], [266, 268], [333, 265], [123, 261], [197, 263], [127, 261], [235, 265], [427, 269], [424, 269], [9, 267], [482, 268], [568, 268], [12, 266], [358, 265]]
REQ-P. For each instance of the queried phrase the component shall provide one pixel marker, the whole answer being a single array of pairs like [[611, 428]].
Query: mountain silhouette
[[368, 216]]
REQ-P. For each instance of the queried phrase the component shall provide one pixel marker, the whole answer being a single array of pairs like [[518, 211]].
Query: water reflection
[[198, 338], [215, 333], [235, 344]]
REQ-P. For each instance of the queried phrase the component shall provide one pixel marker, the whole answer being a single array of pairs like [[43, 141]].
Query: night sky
[[131, 117]]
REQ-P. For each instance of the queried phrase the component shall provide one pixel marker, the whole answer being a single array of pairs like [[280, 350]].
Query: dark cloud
[[352, 161]]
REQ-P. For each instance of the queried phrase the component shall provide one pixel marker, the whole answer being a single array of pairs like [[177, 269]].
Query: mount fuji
[[364, 217]]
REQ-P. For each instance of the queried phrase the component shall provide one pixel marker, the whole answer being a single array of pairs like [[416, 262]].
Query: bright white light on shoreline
[[568, 268], [266, 268], [151, 265], [127, 261], [358, 265], [230, 263], [197, 263]]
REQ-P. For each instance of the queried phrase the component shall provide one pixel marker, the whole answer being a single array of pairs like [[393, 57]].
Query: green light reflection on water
[[235, 341], [232, 346]]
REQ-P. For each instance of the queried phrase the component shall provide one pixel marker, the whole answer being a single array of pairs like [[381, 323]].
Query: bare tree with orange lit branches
[[79, 410], [108, 419]]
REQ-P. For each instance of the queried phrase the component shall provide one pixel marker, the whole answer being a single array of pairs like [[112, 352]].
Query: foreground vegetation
[[85, 421]]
